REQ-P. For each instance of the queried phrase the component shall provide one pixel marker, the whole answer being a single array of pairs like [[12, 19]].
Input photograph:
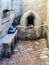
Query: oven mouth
[[30, 20]]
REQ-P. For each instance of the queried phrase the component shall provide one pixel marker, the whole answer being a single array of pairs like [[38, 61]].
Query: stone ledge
[[8, 44]]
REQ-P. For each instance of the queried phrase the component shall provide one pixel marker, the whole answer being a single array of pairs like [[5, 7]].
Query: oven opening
[[30, 20]]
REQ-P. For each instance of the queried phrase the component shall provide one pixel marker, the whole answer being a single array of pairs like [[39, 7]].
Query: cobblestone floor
[[29, 53]]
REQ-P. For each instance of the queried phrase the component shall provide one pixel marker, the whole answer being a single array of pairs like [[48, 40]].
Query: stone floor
[[29, 53]]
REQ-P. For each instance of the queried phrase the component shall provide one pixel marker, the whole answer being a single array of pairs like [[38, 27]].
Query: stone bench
[[8, 42]]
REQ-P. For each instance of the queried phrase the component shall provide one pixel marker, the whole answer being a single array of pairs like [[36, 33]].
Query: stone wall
[[40, 6]]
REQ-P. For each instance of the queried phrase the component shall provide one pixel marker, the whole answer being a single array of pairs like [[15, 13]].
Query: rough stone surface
[[37, 27], [27, 53], [40, 6]]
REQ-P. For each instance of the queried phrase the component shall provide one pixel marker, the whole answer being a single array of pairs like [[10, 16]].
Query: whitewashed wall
[[17, 7], [6, 4]]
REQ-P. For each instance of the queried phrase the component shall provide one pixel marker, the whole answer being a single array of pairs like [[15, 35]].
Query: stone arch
[[37, 22]]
